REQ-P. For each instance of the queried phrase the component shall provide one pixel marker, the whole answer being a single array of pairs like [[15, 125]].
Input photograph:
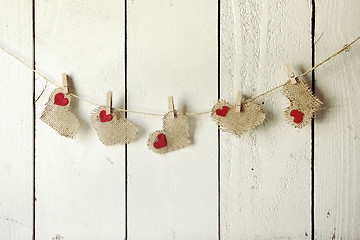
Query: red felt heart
[[222, 112], [298, 116], [161, 141], [60, 99], [105, 117]]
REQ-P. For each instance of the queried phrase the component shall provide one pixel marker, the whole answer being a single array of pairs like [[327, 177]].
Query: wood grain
[[80, 186], [337, 144], [16, 124], [172, 51], [265, 174]]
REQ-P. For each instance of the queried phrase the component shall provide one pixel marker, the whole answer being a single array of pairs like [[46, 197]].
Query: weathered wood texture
[[172, 51], [337, 129], [16, 124], [80, 184], [265, 174], [265, 183]]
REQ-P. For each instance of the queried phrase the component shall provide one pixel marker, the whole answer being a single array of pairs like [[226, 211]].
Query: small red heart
[[298, 116], [161, 141], [60, 99], [222, 112], [105, 117]]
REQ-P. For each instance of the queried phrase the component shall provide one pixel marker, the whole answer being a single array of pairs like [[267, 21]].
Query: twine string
[[308, 71], [188, 114]]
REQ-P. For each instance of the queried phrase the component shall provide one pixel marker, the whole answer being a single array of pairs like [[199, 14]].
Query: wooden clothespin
[[108, 102], [65, 83], [291, 74], [171, 105], [238, 102]]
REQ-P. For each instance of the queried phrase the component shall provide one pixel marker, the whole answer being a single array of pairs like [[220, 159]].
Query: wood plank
[[172, 51], [80, 186], [265, 174], [337, 144], [16, 128]]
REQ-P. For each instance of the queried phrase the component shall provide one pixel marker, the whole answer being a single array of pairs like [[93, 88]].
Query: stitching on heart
[[301, 97], [116, 131], [237, 123], [175, 131], [161, 141], [60, 118], [222, 112], [298, 116], [105, 117], [60, 100]]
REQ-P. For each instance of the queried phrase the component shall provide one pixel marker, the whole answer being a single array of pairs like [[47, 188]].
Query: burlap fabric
[[176, 131], [301, 99], [60, 118], [237, 123], [115, 131]]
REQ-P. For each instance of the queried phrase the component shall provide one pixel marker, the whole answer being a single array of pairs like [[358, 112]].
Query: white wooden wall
[[275, 182]]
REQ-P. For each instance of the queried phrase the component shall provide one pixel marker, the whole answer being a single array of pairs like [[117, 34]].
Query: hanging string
[[189, 114], [308, 71]]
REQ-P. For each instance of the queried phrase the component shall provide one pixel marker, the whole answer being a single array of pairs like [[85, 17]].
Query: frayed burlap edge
[[250, 116], [60, 118], [116, 131], [302, 99], [176, 131]]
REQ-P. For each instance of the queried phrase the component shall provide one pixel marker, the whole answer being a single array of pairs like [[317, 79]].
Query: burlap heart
[[114, 130], [237, 123], [175, 134], [57, 114], [302, 102]]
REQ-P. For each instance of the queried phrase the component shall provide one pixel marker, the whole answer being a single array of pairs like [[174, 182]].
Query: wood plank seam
[[126, 108], [219, 133], [34, 119], [313, 19]]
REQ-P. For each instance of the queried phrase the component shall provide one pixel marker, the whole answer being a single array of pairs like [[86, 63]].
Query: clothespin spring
[[108, 102], [65, 82], [291, 74], [171, 105], [238, 102]]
